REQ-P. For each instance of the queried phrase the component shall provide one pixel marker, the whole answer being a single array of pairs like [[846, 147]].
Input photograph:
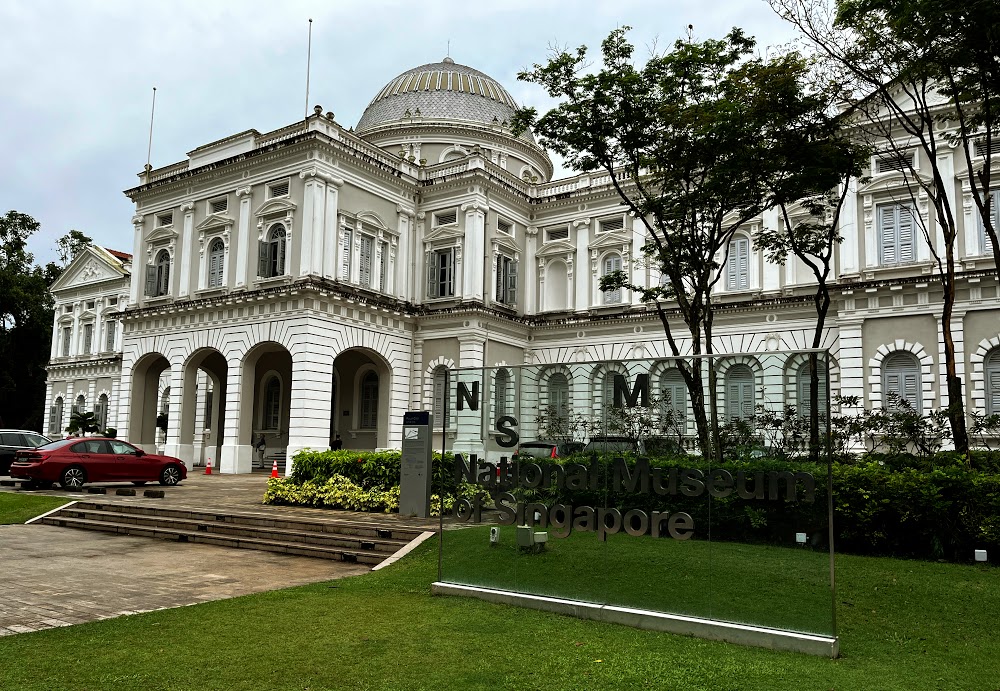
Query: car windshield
[[535, 450], [57, 444]]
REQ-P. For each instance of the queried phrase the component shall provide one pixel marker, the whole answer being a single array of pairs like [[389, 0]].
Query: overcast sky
[[77, 77]]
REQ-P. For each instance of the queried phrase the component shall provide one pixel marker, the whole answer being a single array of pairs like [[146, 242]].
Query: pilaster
[[186, 240], [243, 236]]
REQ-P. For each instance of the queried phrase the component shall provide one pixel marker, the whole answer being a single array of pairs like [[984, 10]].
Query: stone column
[[138, 265], [175, 445], [331, 233], [529, 280], [311, 390], [473, 250], [243, 239], [237, 451], [186, 240]]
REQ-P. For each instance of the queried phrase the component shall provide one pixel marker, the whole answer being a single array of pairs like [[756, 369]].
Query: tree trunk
[[956, 406]]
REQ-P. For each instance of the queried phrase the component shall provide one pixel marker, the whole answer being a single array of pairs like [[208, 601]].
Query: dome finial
[[448, 61]]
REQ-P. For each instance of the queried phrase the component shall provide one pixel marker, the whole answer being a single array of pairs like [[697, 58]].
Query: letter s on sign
[[506, 436]]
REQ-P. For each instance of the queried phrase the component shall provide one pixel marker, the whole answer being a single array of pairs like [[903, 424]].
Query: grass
[[18, 508], [903, 624]]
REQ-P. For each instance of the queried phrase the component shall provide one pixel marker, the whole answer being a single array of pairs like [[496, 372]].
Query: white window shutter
[[905, 233], [499, 279], [262, 259], [887, 232], [993, 393], [345, 263], [432, 278]]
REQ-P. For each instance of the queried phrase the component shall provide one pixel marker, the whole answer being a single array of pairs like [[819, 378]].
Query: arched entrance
[[144, 399], [203, 407], [360, 402], [265, 404]]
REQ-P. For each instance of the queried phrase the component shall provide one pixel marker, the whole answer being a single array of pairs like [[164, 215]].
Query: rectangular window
[[218, 206], [992, 150], [441, 273], [444, 218], [888, 162], [506, 288], [88, 338], [112, 301], [553, 234], [611, 224], [91, 304], [67, 335], [110, 329], [612, 264], [365, 261], [895, 225], [68, 309], [277, 189], [166, 219], [504, 227]]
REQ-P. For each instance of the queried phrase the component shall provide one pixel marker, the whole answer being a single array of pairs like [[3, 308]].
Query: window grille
[[444, 218], [895, 161], [219, 206], [611, 225], [554, 234], [277, 189]]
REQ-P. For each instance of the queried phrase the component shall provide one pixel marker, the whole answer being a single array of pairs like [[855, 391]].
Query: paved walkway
[[58, 576]]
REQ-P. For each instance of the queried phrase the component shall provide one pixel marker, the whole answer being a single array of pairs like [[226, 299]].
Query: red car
[[72, 462]]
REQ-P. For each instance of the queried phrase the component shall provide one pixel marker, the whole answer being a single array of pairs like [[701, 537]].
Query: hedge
[[937, 509]]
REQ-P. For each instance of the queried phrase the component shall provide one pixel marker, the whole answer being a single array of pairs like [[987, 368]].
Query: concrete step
[[209, 524], [292, 524], [270, 545]]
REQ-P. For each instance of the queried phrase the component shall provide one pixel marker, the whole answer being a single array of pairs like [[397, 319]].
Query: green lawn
[[18, 508], [903, 624]]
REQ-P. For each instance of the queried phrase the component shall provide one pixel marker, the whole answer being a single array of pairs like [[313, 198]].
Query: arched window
[[612, 263], [738, 264], [158, 276], [216, 255], [101, 412], [673, 396], [739, 392], [56, 417], [165, 402], [271, 254], [500, 382], [272, 404], [81, 404], [608, 390], [803, 380], [901, 376], [369, 401], [991, 370], [559, 396], [440, 403]]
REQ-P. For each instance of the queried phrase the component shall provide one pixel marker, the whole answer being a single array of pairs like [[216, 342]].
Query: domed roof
[[440, 91]]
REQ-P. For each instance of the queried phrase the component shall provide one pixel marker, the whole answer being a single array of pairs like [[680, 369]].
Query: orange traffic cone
[[274, 468], [208, 467]]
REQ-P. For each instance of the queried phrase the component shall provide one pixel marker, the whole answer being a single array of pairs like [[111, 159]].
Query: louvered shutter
[[164, 286], [447, 260], [911, 389], [512, 283], [673, 393], [432, 277], [383, 264], [901, 376], [905, 233], [743, 263], [887, 232], [733, 400], [53, 420], [111, 328], [365, 262], [345, 261], [612, 264], [609, 389], [993, 392], [559, 396], [499, 279], [805, 388], [150, 290], [440, 395], [985, 244], [279, 255], [262, 259]]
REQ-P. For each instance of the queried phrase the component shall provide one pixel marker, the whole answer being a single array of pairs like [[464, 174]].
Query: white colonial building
[[318, 280]]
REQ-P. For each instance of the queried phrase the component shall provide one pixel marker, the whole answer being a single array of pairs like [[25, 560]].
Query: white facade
[[309, 281]]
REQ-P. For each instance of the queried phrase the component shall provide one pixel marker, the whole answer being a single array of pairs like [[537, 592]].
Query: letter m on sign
[[638, 396]]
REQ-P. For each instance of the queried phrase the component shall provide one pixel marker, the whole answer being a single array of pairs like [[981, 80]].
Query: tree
[[818, 163], [83, 423], [71, 244], [689, 141], [25, 324], [924, 75]]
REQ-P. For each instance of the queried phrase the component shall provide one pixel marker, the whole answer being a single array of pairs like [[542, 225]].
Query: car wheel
[[170, 475], [138, 483], [73, 477]]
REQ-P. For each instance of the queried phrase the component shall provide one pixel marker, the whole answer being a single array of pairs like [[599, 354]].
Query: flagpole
[[149, 148], [308, 65]]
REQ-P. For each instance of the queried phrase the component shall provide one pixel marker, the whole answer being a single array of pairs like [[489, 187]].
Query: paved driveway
[[58, 576]]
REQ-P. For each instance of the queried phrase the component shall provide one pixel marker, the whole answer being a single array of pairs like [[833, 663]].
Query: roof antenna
[[448, 54], [149, 148], [308, 65]]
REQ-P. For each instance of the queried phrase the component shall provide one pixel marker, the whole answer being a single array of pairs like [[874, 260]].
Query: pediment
[[506, 242], [559, 247], [371, 218], [889, 181], [447, 232], [274, 207], [214, 221], [162, 234], [89, 267], [611, 241]]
